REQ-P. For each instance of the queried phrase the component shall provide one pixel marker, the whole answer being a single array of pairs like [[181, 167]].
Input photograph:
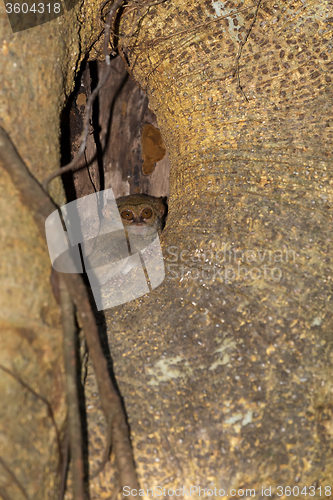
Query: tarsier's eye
[[146, 213], [127, 215]]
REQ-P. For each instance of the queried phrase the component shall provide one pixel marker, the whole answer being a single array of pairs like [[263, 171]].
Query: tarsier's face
[[139, 212]]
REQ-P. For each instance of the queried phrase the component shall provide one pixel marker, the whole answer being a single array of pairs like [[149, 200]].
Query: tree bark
[[225, 368], [38, 68]]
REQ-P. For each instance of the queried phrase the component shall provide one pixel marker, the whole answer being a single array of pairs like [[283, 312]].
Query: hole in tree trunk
[[116, 147]]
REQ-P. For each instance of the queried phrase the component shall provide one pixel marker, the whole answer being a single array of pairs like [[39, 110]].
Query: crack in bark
[[242, 44], [74, 164], [42, 398], [41, 206], [13, 476]]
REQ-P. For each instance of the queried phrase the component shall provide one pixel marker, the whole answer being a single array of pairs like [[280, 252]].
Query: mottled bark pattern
[[227, 383], [38, 67]]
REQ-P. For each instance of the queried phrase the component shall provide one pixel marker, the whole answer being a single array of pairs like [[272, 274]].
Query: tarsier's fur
[[136, 202], [111, 246]]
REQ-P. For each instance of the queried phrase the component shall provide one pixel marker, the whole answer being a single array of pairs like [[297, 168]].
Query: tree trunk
[[38, 68], [225, 368]]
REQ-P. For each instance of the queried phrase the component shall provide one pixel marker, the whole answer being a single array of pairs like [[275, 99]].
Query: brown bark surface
[[117, 139], [38, 67], [226, 368]]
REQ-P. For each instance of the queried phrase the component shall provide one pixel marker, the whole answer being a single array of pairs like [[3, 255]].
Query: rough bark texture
[[226, 368], [114, 147], [38, 67], [226, 378]]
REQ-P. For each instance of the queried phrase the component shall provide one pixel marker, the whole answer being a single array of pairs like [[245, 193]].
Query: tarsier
[[142, 217], [141, 212]]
